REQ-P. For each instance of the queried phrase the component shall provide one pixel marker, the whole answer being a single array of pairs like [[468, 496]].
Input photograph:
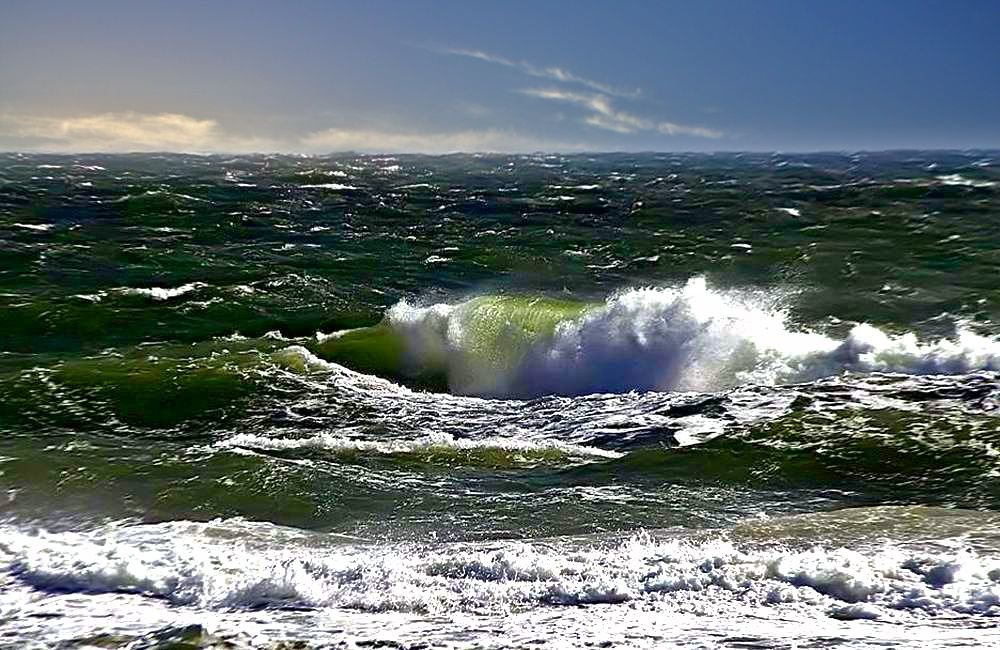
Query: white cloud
[[603, 114], [371, 140], [123, 132], [482, 56], [544, 72]]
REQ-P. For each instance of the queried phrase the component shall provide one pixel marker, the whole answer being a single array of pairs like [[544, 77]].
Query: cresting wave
[[436, 445], [239, 564], [688, 338]]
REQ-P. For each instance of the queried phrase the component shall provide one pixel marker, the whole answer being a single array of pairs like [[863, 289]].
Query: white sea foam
[[958, 179], [581, 188], [238, 564], [424, 444], [689, 338], [168, 194], [337, 187], [326, 172], [165, 293], [301, 359], [41, 227]]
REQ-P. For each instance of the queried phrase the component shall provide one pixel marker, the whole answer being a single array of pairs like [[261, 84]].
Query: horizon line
[[582, 152]]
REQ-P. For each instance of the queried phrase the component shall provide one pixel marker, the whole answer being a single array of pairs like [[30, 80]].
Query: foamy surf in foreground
[[688, 338], [238, 566]]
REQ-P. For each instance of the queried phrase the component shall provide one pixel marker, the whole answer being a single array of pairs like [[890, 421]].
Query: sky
[[441, 76]]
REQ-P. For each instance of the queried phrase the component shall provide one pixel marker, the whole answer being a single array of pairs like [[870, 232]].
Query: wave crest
[[687, 338]]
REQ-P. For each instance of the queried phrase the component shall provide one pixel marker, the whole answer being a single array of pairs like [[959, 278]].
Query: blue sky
[[298, 76]]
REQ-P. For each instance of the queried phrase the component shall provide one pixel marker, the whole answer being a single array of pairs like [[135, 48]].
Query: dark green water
[[408, 364]]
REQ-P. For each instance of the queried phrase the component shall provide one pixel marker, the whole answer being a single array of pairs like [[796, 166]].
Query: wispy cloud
[[544, 72], [123, 132], [599, 104], [602, 114], [372, 140]]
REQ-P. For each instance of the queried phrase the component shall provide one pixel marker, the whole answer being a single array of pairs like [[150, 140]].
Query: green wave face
[[459, 348], [376, 350], [156, 387]]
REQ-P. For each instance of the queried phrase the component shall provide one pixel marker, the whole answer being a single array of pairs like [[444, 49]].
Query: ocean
[[483, 401]]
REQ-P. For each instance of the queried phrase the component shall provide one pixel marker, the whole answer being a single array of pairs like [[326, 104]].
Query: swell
[[152, 386], [284, 435], [880, 465]]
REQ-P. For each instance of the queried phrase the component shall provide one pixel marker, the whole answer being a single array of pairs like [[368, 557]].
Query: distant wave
[[687, 338], [337, 187], [165, 293], [40, 227]]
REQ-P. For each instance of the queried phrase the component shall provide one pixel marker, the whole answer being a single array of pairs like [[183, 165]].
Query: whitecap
[[40, 227], [425, 444], [958, 179], [165, 293], [336, 187]]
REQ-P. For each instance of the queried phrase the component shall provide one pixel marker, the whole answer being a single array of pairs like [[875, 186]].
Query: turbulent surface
[[480, 401]]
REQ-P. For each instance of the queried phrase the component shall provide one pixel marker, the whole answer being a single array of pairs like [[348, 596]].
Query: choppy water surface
[[739, 401]]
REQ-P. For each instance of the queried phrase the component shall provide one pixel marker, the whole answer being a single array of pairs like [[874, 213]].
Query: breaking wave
[[234, 564], [165, 293], [437, 446], [688, 338]]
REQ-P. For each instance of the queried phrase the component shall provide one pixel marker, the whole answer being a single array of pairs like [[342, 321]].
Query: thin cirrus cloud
[[603, 115], [544, 72]]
